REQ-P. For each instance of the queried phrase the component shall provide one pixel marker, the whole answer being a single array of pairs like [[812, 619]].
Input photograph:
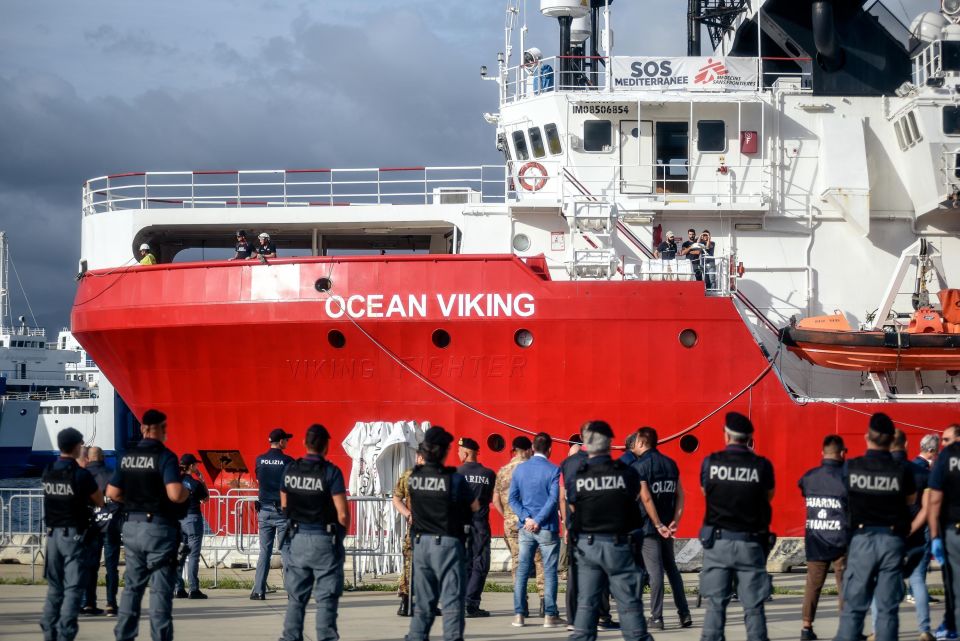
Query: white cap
[[264, 235], [669, 234], [144, 246]]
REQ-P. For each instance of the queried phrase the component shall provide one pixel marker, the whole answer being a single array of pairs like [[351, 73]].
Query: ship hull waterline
[[232, 350]]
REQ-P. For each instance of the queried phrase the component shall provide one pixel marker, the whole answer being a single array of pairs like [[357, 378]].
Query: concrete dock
[[229, 614]]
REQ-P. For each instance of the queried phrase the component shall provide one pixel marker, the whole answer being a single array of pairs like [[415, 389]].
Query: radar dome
[[951, 33], [927, 26], [580, 30], [564, 8]]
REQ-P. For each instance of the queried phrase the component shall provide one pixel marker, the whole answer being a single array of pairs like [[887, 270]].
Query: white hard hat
[[264, 235], [144, 246], [532, 56]]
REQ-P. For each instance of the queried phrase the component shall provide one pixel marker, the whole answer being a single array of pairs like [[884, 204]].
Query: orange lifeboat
[[931, 341]]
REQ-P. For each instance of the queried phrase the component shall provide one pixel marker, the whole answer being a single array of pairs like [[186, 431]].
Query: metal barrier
[[374, 542]]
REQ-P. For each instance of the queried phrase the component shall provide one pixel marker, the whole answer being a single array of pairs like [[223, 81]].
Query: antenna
[[717, 16], [5, 318]]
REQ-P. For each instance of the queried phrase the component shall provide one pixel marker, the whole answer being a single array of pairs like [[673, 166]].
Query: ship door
[[636, 156]]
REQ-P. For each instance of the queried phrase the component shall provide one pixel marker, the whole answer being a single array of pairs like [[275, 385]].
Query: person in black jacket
[[272, 524], [825, 537], [69, 492], [102, 523], [191, 528]]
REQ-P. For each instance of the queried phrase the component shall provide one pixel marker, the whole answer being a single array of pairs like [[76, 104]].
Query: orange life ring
[[537, 183]]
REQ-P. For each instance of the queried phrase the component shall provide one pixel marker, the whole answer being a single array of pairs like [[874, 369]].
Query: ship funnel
[[829, 51]]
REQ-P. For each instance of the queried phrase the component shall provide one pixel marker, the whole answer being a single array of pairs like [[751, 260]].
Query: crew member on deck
[[879, 491], [69, 492], [191, 528], [602, 496], [269, 469], [738, 485], [244, 247], [265, 248], [314, 498], [481, 481], [441, 503], [146, 256], [147, 482]]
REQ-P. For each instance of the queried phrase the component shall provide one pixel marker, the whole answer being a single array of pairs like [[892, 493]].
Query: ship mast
[[5, 318], [718, 16]]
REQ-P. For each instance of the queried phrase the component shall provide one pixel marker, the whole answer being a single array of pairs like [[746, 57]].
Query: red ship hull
[[231, 350]]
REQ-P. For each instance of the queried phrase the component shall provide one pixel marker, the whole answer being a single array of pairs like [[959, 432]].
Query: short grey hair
[[930, 443], [736, 437], [595, 443]]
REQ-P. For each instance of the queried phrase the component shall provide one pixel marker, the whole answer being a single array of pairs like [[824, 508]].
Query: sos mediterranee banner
[[685, 74]]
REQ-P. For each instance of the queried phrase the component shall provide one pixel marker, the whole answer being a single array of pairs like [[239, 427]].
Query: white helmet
[[532, 56], [264, 235], [144, 246]]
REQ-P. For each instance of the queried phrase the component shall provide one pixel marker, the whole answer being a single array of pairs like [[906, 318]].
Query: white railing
[[294, 187], [928, 63], [22, 330], [714, 271], [61, 395], [951, 169]]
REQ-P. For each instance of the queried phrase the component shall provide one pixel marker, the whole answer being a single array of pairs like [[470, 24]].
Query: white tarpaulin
[[381, 451], [684, 74]]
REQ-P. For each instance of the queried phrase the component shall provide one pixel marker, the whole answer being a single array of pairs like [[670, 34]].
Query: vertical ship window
[[951, 121], [520, 144], [914, 129], [907, 134], [536, 142], [597, 135], [898, 128], [553, 139], [711, 135]]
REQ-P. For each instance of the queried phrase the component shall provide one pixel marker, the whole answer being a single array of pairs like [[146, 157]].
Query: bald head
[[95, 453]]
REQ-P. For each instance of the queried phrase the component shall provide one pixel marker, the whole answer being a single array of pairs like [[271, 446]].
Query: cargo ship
[[809, 153]]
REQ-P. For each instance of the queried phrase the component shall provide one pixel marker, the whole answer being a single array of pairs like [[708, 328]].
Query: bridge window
[[553, 139], [711, 136], [898, 128], [597, 135], [520, 144], [912, 126], [536, 142], [951, 121]]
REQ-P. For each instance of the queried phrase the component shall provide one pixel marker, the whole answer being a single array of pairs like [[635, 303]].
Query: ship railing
[[61, 395], [678, 183], [795, 81], [544, 77], [714, 271], [928, 63], [950, 162], [22, 330], [295, 187]]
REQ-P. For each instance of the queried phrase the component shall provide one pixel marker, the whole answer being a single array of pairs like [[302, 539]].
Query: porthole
[[523, 338], [441, 338], [521, 242], [689, 443], [23, 412], [688, 338], [336, 339], [496, 443], [323, 284]]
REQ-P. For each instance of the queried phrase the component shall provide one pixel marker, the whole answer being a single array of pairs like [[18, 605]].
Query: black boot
[[404, 610]]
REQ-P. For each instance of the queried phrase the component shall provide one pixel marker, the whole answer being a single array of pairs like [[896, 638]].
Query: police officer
[[269, 469], [441, 503], [314, 498], [605, 516], [102, 518], [481, 481], [738, 485], [947, 628], [943, 519], [191, 528], [147, 483], [662, 503], [825, 536], [69, 492], [879, 490]]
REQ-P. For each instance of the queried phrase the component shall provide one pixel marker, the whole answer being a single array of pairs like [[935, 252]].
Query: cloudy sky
[[108, 86]]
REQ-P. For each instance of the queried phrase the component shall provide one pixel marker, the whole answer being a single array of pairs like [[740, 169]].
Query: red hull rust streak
[[196, 340]]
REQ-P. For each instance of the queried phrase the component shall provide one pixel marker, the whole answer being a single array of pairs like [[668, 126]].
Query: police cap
[[738, 423], [69, 438], [468, 444], [521, 443], [881, 424], [188, 459], [153, 417], [437, 436], [278, 435]]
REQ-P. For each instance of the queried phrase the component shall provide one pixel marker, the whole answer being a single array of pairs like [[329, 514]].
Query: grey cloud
[[128, 43]]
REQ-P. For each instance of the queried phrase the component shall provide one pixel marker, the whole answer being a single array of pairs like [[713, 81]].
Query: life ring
[[535, 183]]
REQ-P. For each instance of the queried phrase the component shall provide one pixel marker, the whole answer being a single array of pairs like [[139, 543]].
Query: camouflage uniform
[[400, 490], [511, 524]]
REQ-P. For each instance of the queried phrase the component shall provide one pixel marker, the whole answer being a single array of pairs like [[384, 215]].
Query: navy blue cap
[[188, 459], [153, 417], [738, 423], [278, 435], [469, 444]]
